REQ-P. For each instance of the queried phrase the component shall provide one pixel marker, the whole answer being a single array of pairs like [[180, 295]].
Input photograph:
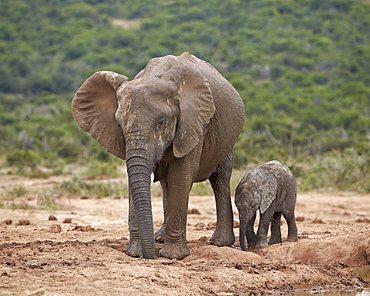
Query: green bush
[[300, 67], [16, 191], [103, 169], [23, 158], [346, 170], [78, 186]]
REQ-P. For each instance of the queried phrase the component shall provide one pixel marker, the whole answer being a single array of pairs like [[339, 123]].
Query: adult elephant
[[179, 119]]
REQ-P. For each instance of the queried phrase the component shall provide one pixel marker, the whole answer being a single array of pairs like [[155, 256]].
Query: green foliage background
[[301, 67]]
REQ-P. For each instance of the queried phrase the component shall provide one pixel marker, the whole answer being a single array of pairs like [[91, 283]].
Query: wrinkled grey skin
[[179, 119], [271, 189]]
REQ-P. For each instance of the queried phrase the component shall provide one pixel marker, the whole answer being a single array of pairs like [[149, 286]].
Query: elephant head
[[165, 107]]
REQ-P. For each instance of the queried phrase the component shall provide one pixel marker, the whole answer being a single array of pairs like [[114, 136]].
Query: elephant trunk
[[139, 171], [242, 232]]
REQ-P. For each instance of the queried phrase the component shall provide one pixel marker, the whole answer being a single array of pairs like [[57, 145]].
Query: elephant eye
[[160, 123]]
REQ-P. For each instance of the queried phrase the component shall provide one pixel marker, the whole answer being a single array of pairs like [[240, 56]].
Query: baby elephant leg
[[263, 227], [292, 226], [250, 235], [275, 229]]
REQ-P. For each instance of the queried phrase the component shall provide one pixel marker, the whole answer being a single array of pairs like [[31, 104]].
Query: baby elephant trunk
[[242, 233]]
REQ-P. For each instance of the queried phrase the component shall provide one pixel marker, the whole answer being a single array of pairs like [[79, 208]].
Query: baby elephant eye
[[160, 123]]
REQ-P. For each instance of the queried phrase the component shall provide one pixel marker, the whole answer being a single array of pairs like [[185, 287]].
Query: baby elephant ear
[[94, 107], [267, 190]]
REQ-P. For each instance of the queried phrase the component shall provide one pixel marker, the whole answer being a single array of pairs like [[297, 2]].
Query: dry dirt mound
[[337, 251], [97, 267], [81, 251]]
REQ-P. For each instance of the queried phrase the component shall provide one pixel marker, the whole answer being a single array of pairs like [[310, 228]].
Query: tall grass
[[336, 171], [347, 170], [19, 197], [78, 187]]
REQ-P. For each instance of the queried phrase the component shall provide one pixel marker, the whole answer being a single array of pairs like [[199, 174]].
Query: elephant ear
[[267, 191], [94, 107], [196, 108]]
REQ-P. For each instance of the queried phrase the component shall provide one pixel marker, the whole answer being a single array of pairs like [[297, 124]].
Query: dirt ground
[[80, 250]]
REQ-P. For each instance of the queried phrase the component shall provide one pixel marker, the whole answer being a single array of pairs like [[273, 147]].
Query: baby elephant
[[271, 189]]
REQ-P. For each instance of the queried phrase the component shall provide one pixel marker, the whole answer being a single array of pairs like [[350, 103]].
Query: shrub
[[102, 168], [21, 158], [78, 186]]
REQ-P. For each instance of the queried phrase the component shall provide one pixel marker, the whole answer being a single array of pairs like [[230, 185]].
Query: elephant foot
[[261, 244], [221, 239], [251, 245], [160, 234], [174, 251], [134, 248], [275, 241], [292, 239]]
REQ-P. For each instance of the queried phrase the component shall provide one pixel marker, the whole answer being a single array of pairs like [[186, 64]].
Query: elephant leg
[[180, 178], [220, 181], [175, 230], [250, 234], [265, 220], [161, 232], [292, 226], [134, 247], [275, 229]]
